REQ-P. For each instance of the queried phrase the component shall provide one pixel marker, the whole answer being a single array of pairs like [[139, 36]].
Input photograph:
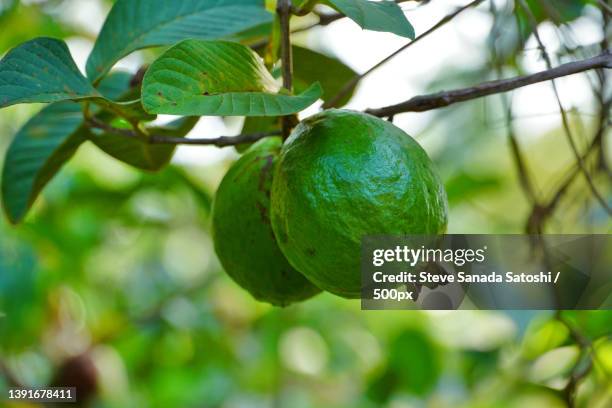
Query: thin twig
[[98, 124], [606, 9], [542, 212], [519, 160], [441, 99], [357, 78], [564, 118], [517, 154], [221, 141], [304, 9]]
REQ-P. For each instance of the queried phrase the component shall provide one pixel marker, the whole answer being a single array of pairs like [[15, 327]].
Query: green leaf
[[464, 186], [41, 70], [311, 66], [38, 151], [135, 24], [417, 373], [217, 78], [138, 153], [383, 15], [543, 336]]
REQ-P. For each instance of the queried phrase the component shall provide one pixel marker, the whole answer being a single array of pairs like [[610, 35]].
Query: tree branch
[[424, 103], [221, 141], [357, 78], [284, 15]]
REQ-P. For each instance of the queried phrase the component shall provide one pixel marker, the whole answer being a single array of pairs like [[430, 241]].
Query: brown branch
[[332, 102], [284, 15], [424, 103], [564, 119], [221, 141]]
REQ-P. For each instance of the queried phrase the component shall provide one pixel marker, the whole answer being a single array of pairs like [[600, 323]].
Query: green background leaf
[[21, 22], [311, 66], [383, 15], [138, 153], [38, 151], [217, 78], [136, 24]]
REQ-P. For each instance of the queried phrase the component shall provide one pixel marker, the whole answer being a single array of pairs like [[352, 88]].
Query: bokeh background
[[112, 282]]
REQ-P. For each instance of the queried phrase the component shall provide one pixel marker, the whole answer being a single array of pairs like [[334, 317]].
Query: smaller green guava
[[243, 237]]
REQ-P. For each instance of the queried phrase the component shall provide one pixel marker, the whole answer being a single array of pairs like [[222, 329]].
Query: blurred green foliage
[[116, 267]]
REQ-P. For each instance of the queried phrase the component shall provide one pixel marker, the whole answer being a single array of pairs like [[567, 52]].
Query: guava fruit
[[243, 237], [342, 175]]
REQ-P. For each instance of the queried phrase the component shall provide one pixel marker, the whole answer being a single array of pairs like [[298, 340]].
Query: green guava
[[243, 237], [342, 175]]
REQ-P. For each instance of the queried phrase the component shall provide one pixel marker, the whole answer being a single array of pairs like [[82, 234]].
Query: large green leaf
[[217, 78], [311, 66], [383, 15], [38, 151], [136, 24], [41, 70], [140, 154]]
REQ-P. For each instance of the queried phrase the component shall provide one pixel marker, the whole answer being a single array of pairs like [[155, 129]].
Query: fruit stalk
[[284, 15]]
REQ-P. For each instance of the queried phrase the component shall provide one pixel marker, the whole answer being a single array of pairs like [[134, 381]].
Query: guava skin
[[243, 237], [342, 175]]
